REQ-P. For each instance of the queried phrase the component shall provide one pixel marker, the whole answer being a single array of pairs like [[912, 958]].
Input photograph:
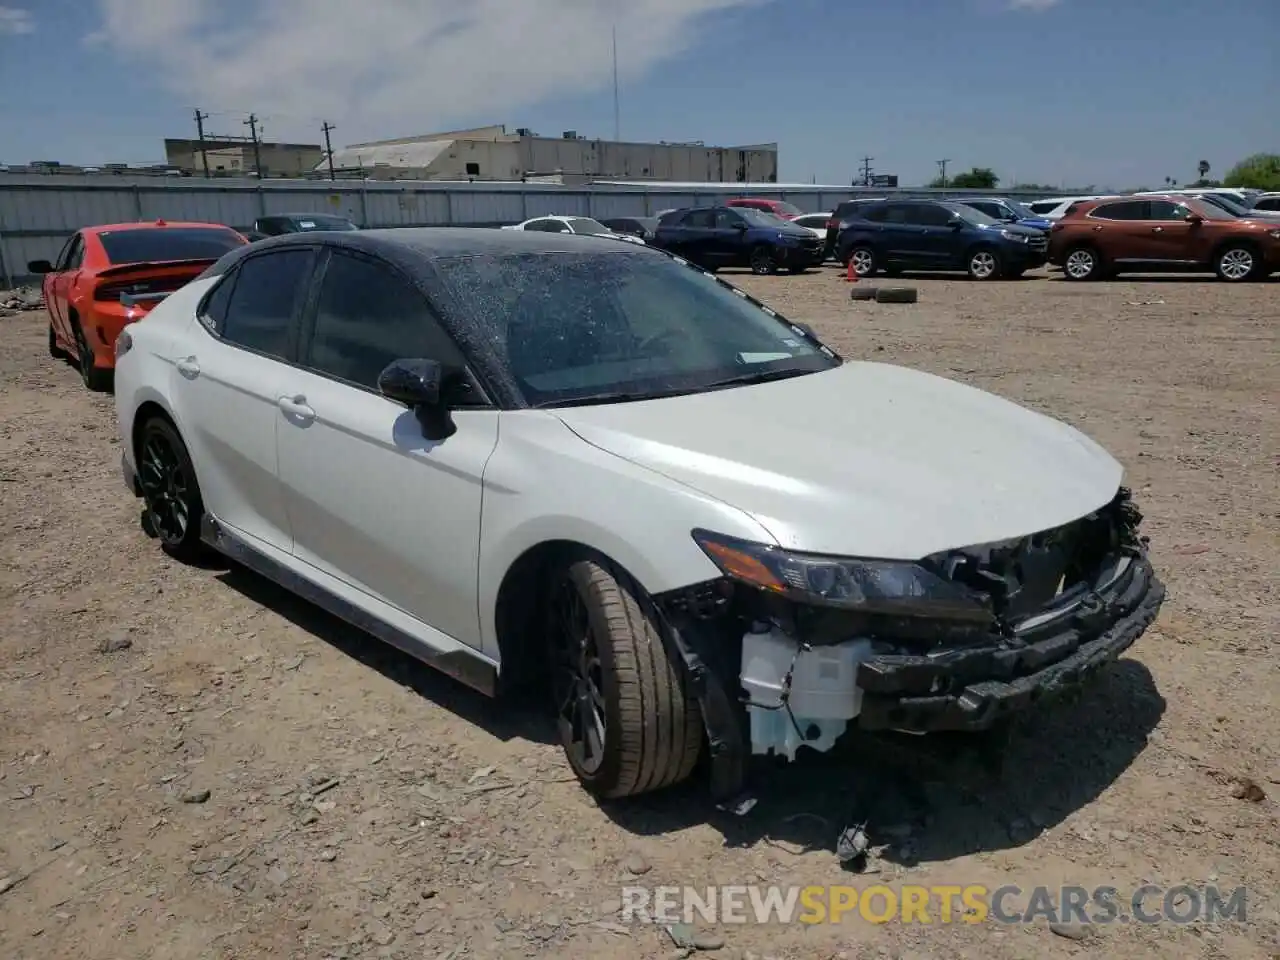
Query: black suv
[[839, 217], [280, 223], [893, 235], [715, 237]]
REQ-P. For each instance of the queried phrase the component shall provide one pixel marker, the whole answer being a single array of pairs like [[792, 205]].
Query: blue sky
[[1117, 93]]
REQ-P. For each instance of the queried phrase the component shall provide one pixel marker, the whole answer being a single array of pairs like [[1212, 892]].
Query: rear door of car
[[902, 234], [226, 391], [727, 243], [1122, 231], [372, 503]]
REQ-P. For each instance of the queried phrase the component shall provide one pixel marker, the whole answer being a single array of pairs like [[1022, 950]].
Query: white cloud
[[396, 67], [1033, 5], [16, 20]]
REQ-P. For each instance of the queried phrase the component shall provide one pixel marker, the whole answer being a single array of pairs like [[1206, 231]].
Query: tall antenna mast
[[617, 123]]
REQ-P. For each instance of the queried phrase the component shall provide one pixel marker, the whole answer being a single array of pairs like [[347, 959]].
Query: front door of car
[[903, 234], [62, 282], [941, 246], [227, 378], [1173, 238], [729, 238], [371, 502]]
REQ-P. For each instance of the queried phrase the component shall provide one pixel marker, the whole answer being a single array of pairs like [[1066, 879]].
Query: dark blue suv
[[715, 237], [895, 235]]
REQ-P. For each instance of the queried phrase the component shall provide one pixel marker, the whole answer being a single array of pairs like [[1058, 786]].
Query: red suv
[[1112, 235], [779, 208]]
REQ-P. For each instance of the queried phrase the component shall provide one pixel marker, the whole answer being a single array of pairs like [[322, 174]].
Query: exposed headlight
[[894, 587], [1016, 237], [787, 238], [123, 344]]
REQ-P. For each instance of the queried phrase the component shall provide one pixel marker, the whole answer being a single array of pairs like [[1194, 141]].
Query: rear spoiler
[[124, 268]]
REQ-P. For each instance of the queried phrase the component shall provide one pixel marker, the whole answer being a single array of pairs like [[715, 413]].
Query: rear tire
[[94, 377], [628, 720], [864, 261], [172, 506], [1082, 263], [55, 351]]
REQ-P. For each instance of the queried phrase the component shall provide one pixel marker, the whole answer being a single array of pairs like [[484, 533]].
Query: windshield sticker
[[307, 224], [763, 357]]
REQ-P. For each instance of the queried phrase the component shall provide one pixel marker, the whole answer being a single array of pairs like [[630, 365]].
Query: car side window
[[873, 212], [1124, 210], [72, 256], [898, 213], [213, 312], [700, 219], [64, 255], [1166, 210], [367, 315], [262, 304], [1268, 203], [931, 215], [726, 219]]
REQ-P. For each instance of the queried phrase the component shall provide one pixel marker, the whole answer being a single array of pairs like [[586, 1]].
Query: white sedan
[[579, 225], [534, 459]]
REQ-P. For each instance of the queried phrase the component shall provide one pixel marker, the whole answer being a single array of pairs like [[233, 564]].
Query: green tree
[[1258, 172], [979, 178]]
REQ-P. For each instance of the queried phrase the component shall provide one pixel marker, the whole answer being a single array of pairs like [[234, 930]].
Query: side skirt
[[468, 668]]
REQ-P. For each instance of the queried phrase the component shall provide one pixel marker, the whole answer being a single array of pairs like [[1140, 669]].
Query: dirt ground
[[195, 765]]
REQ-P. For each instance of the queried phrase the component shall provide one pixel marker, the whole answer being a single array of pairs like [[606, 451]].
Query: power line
[[328, 147], [204, 156], [252, 124]]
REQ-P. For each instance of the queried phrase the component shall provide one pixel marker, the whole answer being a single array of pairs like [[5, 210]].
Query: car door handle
[[1097, 229], [296, 408], [1157, 229], [188, 367]]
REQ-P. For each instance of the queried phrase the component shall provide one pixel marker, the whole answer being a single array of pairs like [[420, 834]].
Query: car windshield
[[971, 214], [789, 209], [759, 218], [587, 225], [308, 223], [596, 328], [154, 244]]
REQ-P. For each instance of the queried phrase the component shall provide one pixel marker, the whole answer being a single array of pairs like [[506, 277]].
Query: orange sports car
[[112, 275]]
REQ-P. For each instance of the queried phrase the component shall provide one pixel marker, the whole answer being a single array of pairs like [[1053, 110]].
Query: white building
[[490, 153]]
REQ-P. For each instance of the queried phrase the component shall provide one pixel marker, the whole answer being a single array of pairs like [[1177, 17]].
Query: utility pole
[[866, 171], [942, 170], [617, 122], [328, 147], [252, 124], [204, 156]]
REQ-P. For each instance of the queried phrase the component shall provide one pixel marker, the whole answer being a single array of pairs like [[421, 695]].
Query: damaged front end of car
[[789, 649]]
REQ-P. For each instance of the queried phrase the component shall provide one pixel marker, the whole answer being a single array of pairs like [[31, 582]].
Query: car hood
[[1017, 228], [865, 459], [1036, 223]]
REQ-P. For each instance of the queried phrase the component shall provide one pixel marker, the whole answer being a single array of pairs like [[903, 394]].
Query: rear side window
[[867, 211], [931, 215], [265, 295], [701, 219], [367, 315], [1043, 206], [168, 243], [1268, 203], [1124, 210]]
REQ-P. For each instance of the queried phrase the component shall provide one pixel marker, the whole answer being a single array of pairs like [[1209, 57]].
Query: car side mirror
[[1194, 218], [740, 226], [39, 267], [955, 223], [420, 385]]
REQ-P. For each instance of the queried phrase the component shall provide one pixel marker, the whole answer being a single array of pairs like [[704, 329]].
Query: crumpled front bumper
[[973, 688]]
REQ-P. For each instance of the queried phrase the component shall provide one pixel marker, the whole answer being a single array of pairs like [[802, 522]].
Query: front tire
[[984, 264], [763, 263], [628, 720], [1237, 262], [172, 505]]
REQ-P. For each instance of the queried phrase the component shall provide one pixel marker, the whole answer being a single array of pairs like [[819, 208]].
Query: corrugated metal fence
[[38, 213]]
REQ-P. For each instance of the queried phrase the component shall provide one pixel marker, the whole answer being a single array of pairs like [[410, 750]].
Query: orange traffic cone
[[851, 275]]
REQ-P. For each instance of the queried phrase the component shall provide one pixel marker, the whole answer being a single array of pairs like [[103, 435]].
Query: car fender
[[545, 484]]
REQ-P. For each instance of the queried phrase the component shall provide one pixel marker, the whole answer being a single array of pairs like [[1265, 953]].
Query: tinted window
[[727, 219], [73, 254], [320, 222], [874, 212], [932, 215], [1124, 210], [367, 316], [701, 219], [587, 225], [547, 226], [899, 213], [267, 288], [214, 313], [1166, 210], [1268, 203], [1044, 206], [575, 326], [987, 207], [168, 243]]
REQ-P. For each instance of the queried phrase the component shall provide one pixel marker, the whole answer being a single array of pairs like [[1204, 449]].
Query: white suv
[[534, 457]]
